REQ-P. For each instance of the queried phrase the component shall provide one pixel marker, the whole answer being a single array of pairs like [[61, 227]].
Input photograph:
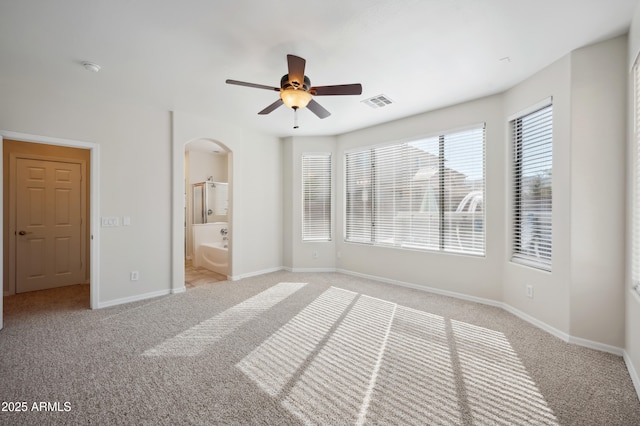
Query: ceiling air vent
[[378, 101]]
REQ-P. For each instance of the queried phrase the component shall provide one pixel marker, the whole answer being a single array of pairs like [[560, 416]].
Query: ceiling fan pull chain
[[295, 117]]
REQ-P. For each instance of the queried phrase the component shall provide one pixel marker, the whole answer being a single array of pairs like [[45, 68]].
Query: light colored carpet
[[289, 348]]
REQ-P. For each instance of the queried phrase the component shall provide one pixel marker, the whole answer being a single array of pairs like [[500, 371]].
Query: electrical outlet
[[134, 275], [529, 291]]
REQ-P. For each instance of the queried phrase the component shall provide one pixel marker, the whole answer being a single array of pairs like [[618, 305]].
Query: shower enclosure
[[209, 202]]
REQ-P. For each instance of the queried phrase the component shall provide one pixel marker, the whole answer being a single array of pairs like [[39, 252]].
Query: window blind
[[316, 197], [402, 214], [425, 194], [463, 172], [358, 207], [532, 183], [635, 239]]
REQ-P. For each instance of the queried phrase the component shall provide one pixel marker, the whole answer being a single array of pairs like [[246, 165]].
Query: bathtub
[[213, 256]]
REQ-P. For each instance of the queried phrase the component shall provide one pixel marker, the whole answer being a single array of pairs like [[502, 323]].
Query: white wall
[[299, 254], [582, 296], [288, 232], [257, 205], [204, 164], [598, 148], [135, 164], [550, 303]]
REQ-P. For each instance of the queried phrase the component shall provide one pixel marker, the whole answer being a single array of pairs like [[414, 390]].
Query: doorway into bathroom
[[207, 237]]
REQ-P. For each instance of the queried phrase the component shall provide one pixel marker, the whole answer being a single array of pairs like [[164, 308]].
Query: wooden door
[[48, 225]]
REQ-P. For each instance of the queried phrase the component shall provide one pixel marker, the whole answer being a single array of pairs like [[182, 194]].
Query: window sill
[[531, 264], [414, 248]]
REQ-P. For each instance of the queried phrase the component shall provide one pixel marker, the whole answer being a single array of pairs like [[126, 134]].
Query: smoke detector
[[90, 66]]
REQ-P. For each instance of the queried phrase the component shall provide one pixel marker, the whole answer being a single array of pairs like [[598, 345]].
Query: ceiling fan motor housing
[[285, 83]]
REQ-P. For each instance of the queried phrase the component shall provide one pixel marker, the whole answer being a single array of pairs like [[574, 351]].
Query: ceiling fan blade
[[318, 109], [296, 70], [271, 107], [257, 86], [341, 89]]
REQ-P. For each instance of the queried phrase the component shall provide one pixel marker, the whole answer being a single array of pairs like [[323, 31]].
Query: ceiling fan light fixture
[[295, 98]]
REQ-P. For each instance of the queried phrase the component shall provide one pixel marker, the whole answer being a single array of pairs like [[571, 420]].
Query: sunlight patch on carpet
[[365, 360], [272, 364], [335, 384], [196, 339], [499, 390], [417, 381]]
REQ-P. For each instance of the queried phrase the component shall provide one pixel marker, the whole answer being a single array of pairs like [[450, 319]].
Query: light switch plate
[[109, 221]]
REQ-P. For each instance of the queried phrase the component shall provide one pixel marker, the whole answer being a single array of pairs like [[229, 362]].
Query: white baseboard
[[178, 290], [632, 372], [534, 321], [526, 317], [603, 347], [255, 273], [424, 288], [302, 270], [135, 298]]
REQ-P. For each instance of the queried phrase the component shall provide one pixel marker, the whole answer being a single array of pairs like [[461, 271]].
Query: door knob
[[24, 233]]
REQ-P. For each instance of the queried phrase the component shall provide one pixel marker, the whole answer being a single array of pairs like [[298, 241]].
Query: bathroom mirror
[[209, 201]]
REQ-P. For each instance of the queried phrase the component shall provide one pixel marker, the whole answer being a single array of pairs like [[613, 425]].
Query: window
[[426, 194], [316, 197], [532, 183], [635, 243]]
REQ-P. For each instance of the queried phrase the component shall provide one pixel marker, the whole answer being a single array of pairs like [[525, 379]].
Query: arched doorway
[[207, 213]]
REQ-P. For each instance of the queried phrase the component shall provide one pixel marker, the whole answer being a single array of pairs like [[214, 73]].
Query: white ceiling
[[176, 55]]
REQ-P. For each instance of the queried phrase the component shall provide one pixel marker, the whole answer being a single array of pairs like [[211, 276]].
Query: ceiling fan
[[296, 90]]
